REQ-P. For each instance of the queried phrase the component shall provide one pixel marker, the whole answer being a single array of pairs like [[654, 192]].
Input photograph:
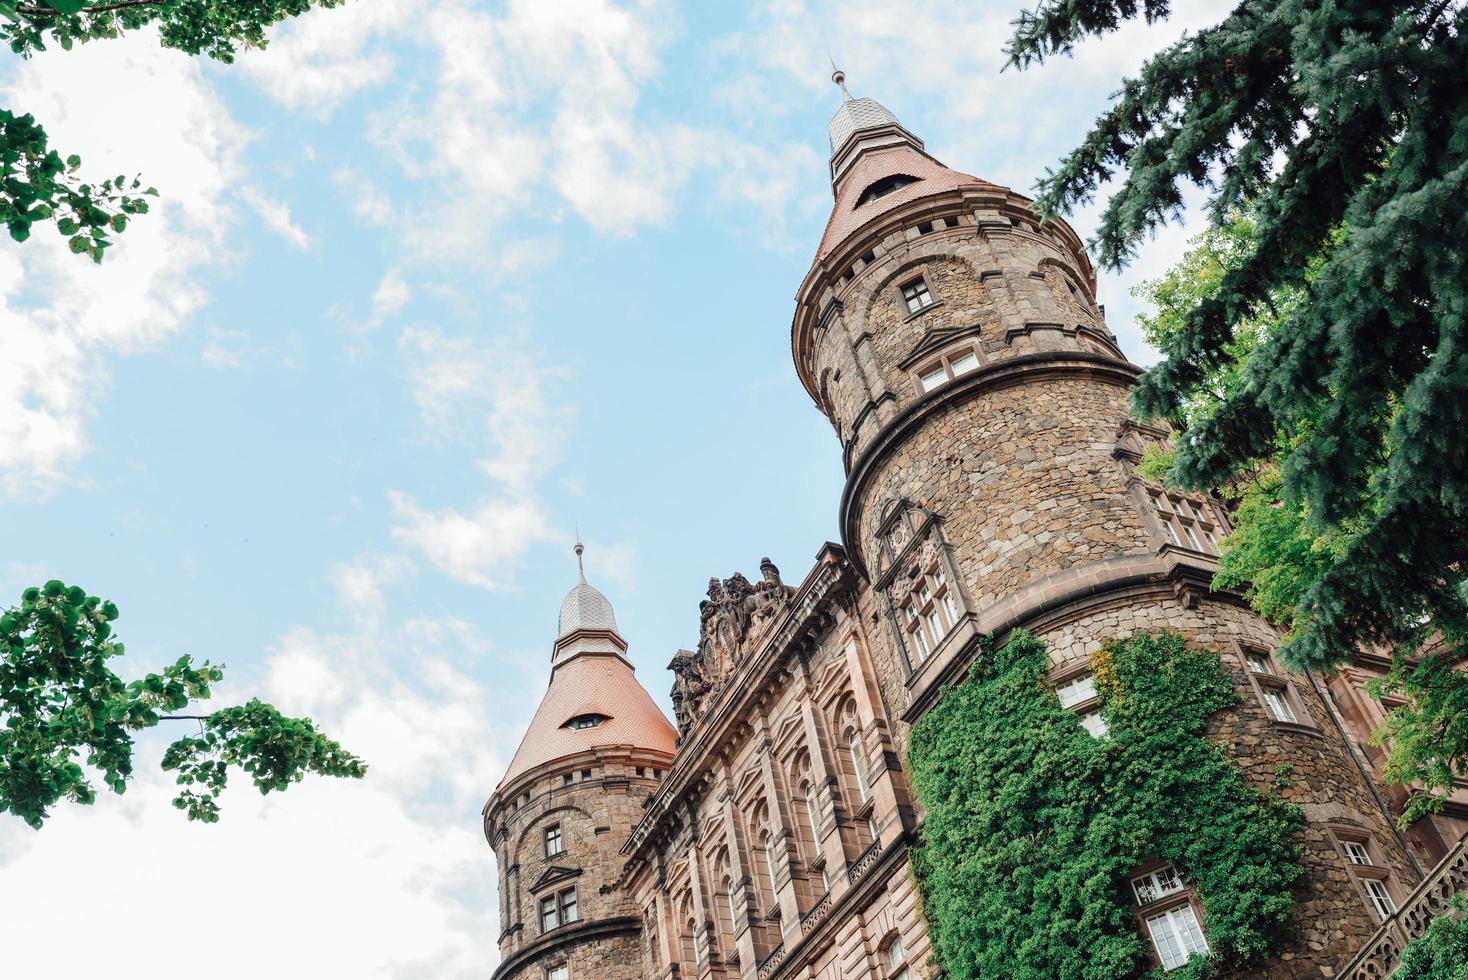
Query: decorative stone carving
[[731, 621]]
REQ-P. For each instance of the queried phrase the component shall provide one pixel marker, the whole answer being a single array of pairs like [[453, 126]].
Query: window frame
[[929, 600], [551, 833], [1376, 872], [894, 959], [944, 361], [1188, 521], [1270, 684], [923, 289], [1083, 708], [1183, 896], [561, 971]]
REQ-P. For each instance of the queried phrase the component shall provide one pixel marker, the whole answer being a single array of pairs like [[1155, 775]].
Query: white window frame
[[947, 366], [1176, 935], [1380, 897]]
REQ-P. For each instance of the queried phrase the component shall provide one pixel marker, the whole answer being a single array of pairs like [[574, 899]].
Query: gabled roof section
[[554, 874]]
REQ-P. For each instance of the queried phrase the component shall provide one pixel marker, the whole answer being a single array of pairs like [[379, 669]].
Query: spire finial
[[580, 568], [839, 77]]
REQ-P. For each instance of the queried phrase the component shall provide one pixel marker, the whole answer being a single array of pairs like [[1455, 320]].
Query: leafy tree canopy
[[1334, 336], [36, 183], [60, 702], [1278, 555], [1032, 826], [1441, 954]]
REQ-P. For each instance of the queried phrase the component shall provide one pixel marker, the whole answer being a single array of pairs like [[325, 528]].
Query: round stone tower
[[955, 344], [594, 752]]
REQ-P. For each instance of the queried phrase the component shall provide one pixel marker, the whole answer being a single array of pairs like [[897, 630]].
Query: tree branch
[[99, 9], [183, 717]]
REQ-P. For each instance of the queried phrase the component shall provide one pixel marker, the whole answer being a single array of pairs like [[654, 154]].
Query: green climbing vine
[[1032, 825]]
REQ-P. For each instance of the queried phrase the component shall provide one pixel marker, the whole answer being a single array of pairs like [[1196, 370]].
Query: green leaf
[[66, 6]]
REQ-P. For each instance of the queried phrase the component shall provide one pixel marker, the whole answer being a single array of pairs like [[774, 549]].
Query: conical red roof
[[874, 165], [590, 676]]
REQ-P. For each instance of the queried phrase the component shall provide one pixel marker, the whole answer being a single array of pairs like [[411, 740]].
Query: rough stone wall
[[1331, 915], [1024, 480], [594, 812], [1022, 291], [617, 958]]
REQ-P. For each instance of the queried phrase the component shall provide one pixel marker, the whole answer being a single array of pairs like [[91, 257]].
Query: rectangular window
[[1076, 690], [965, 363], [1356, 852], [915, 294], [553, 845], [1176, 936], [1258, 663], [548, 913], [1158, 884], [1092, 722], [561, 972], [1279, 707], [1192, 537], [568, 905], [933, 378], [1381, 899], [915, 630]]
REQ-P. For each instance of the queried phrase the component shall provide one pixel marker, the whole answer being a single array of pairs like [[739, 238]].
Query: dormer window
[[915, 294], [942, 369], [884, 187], [581, 722]]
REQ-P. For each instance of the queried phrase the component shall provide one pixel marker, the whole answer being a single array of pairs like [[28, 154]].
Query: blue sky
[[429, 285]]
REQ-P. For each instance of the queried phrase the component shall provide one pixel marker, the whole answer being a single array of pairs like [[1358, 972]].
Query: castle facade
[[980, 401]]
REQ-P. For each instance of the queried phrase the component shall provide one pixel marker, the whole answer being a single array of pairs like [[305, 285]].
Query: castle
[[956, 346]]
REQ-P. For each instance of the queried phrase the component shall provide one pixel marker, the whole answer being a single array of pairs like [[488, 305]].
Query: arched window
[[731, 894], [813, 813], [767, 844], [858, 763], [896, 959]]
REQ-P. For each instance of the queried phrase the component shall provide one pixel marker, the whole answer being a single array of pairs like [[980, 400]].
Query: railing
[[1383, 951], [768, 964], [813, 918], [866, 859]]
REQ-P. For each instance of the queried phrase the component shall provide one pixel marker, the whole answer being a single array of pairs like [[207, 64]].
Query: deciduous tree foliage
[[1442, 954], [1277, 554], [61, 705], [1344, 126], [1032, 826], [36, 183]]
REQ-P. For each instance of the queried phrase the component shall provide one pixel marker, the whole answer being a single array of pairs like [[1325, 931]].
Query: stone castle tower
[[955, 344], [593, 754]]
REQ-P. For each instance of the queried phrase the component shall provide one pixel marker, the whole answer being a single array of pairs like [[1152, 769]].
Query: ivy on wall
[[1032, 825]]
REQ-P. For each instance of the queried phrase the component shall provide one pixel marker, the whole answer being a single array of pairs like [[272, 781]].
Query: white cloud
[[475, 547], [316, 61], [390, 296], [386, 878], [369, 202], [359, 585], [276, 215], [60, 315], [489, 396]]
